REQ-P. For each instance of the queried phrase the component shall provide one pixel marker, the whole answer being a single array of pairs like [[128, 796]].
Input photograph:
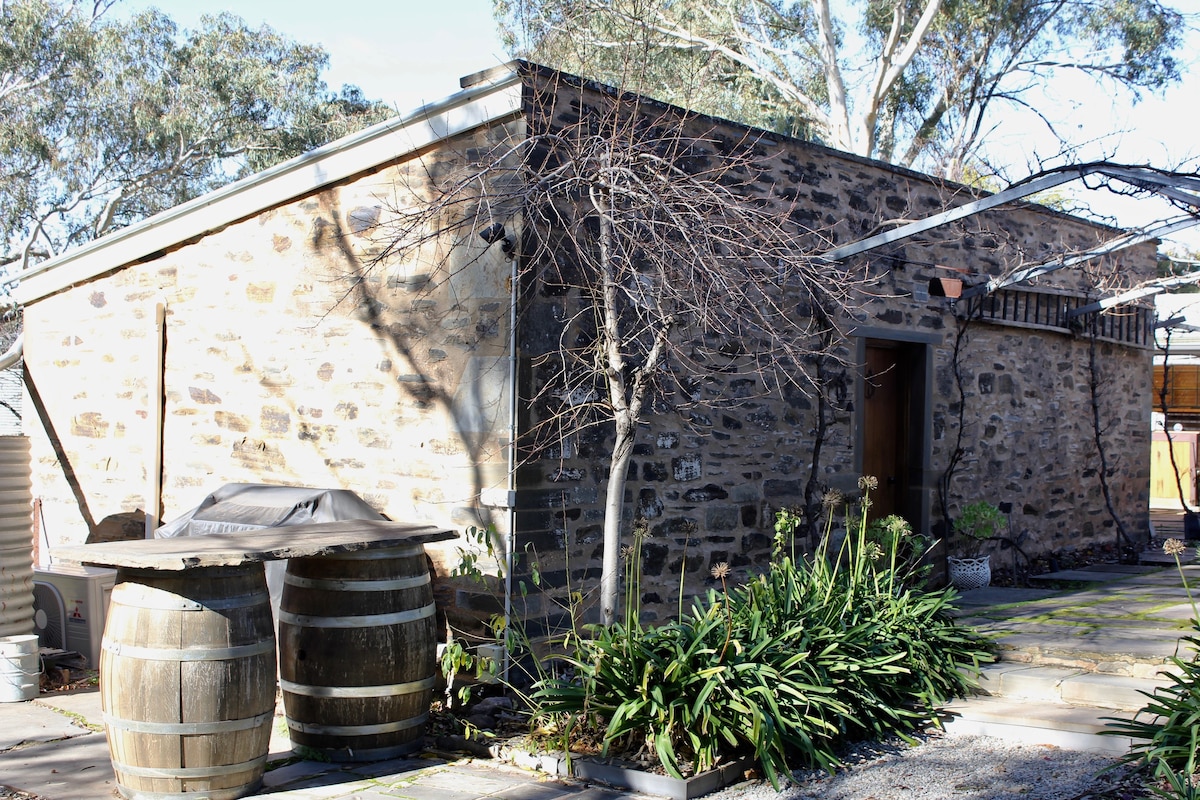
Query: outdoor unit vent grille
[[69, 607], [49, 616]]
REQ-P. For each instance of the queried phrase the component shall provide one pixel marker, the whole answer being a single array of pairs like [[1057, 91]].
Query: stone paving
[[53, 746], [1129, 625]]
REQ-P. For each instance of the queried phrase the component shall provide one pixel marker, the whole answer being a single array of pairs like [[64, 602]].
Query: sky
[[411, 52], [404, 52]]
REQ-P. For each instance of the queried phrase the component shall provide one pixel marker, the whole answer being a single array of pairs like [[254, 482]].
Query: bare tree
[[679, 264], [1102, 426]]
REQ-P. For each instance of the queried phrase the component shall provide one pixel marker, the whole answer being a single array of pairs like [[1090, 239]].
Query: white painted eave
[[496, 100]]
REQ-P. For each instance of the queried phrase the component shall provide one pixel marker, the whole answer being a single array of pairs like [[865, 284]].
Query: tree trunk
[[1095, 382], [614, 507]]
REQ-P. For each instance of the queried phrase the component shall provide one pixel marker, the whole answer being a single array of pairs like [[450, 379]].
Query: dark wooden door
[[887, 397]]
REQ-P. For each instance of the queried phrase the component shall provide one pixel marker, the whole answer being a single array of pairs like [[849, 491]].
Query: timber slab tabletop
[[245, 547]]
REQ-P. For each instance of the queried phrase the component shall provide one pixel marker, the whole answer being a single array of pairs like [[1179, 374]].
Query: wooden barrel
[[357, 652], [187, 681]]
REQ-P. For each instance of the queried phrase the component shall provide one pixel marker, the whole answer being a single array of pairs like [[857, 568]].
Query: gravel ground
[[956, 768], [10, 793], [939, 768]]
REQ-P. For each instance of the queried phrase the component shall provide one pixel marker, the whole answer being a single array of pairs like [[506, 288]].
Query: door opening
[[894, 437]]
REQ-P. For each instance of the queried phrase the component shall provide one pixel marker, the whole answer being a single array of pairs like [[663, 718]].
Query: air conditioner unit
[[69, 606]]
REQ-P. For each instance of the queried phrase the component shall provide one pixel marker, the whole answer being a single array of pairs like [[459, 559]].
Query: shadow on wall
[[125, 526]]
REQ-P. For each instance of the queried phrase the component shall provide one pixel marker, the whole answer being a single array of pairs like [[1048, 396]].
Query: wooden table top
[[244, 547]]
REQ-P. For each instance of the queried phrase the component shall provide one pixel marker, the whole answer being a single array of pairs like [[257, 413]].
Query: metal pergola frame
[[1179, 189]]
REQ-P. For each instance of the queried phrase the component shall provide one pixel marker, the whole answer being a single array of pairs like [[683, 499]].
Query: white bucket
[[19, 670]]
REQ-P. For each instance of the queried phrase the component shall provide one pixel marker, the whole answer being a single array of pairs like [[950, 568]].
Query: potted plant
[[976, 523]]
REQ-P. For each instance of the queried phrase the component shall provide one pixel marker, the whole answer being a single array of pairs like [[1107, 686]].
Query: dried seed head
[[641, 529], [626, 552], [1174, 547], [831, 499], [721, 571], [868, 483]]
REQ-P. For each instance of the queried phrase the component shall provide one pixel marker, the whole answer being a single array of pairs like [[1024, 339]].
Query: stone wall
[[707, 487], [289, 359]]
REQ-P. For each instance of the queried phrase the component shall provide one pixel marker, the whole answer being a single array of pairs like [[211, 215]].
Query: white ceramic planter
[[970, 573]]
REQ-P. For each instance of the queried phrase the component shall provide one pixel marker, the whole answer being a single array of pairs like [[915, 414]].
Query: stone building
[[239, 338]]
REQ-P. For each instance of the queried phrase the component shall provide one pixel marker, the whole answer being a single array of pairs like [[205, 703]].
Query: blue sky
[[409, 52]]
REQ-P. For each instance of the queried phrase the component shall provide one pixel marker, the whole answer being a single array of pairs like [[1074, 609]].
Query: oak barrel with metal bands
[[357, 649], [187, 682]]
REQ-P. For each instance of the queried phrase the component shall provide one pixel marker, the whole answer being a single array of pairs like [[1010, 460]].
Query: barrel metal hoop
[[376, 753], [162, 600], [188, 728], [362, 621], [232, 793], [385, 690], [189, 772], [358, 730], [375, 553], [384, 585], [189, 654]]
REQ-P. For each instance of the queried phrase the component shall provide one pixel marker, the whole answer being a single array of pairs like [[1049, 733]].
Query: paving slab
[[1171, 577], [1121, 569], [1002, 596], [1039, 609], [1180, 612], [549, 790], [1037, 684], [1066, 727], [67, 769], [1079, 576], [30, 722], [1029, 682], [1112, 611], [1109, 691], [395, 767], [1147, 625], [991, 676], [1108, 643], [83, 704], [303, 773], [468, 778]]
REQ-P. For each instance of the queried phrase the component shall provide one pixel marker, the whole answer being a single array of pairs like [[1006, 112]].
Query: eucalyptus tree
[[919, 83], [106, 121]]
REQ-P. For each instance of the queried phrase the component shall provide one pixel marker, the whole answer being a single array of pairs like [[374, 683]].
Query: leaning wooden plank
[[243, 547]]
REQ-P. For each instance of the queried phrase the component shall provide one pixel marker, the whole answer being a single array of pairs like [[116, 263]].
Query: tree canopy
[[106, 121], [916, 82]]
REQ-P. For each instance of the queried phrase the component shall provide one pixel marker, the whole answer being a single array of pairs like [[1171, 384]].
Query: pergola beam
[[958, 212], [1112, 246], [1134, 294], [1178, 322], [1174, 187]]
